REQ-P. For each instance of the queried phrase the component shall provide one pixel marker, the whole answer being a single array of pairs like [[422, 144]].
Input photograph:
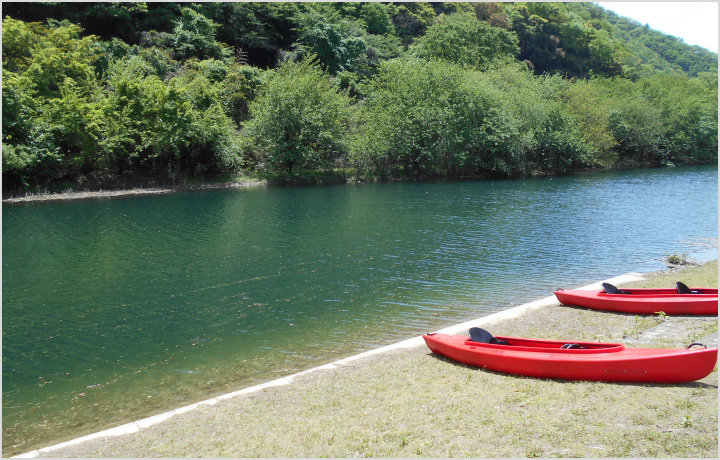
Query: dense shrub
[[393, 90], [463, 40], [298, 120]]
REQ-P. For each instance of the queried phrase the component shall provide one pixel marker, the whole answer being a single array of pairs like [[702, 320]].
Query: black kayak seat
[[610, 289], [683, 289], [572, 346], [480, 335]]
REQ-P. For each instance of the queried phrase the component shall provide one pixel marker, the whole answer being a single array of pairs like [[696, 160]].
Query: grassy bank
[[411, 403]]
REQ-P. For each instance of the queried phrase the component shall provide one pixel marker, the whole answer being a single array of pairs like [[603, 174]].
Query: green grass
[[703, 276], [411, 403]]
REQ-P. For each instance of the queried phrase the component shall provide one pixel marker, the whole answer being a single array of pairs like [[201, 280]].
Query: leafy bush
[[408, 89], [463, 40], [298, 120], [428, 118]]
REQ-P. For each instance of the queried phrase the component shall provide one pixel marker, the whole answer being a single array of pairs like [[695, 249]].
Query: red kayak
[[699, 301], [552, 359]]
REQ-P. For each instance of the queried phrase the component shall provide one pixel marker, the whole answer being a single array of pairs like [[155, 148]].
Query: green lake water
[[114, 310]]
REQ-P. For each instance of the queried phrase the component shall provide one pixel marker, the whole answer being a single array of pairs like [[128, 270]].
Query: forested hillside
[[98, 92]]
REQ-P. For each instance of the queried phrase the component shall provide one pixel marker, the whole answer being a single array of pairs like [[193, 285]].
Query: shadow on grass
[[565, 381], [625, 314]]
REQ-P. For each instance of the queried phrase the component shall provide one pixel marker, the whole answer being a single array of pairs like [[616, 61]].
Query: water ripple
[[110, 304]]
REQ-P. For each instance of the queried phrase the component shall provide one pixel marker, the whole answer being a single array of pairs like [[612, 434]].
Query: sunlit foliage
[[172, 91]]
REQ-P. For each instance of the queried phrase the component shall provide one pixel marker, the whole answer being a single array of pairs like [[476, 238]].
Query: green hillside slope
[[104, 92]]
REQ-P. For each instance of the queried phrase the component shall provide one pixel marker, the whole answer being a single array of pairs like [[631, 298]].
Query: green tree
[[377, 18], [261, 29], [59, 52], [429, 118], [549, 137], [49, 114], [239, 87], [18, 40], [192, 133], [337, 42], [587, 102], [539, 44], [298, 119], [177, 126], [76, 122], [194, 36], [28, 149], [462, 39], [636, 124], [688, 109], [412, 19], [606, 54], [557, 38], [130, 110]]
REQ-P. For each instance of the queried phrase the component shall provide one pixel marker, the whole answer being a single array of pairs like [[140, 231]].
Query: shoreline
[[101, 194], [140, 190], [139, 427]]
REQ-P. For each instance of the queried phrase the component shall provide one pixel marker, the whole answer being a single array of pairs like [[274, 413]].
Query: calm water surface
[[117, 309]]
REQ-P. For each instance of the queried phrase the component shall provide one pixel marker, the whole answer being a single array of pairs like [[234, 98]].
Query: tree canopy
[[462, 39], [176, 90]]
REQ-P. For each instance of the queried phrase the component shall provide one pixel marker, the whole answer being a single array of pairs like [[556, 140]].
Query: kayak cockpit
[[680, 290], [482, 337]]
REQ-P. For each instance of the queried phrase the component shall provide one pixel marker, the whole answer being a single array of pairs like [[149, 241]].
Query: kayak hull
[[644, 301], [598, 362]]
